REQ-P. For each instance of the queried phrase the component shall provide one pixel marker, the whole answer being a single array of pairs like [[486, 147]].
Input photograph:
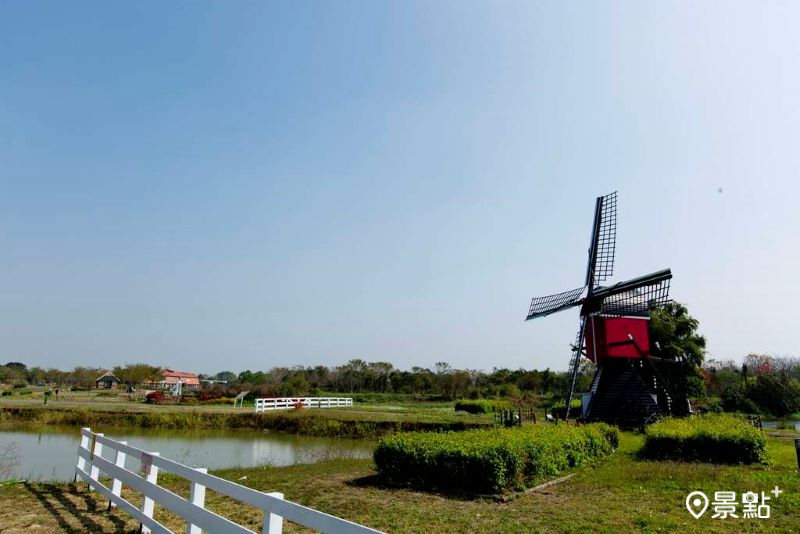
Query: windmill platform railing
[[101, 458]]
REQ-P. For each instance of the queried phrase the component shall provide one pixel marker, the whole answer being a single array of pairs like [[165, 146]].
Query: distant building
[[107, 381], [170, 377]]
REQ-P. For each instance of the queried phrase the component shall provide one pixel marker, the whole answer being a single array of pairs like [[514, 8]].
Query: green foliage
[[481, 406], [777, 394], [492, 460], [137, 373], [716, 438], [574, 403], [674, 337], [734, 399], [675, 331]]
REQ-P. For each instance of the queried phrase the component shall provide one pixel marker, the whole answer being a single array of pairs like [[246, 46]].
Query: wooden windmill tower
[[630, 385]]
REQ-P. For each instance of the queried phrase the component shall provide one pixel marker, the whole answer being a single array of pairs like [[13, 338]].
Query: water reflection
[[50, 453]]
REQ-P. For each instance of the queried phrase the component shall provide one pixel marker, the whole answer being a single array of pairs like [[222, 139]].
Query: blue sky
[[242, 185]]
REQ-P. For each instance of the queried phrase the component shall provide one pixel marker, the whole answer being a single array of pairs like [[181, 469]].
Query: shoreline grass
[[311, 422]]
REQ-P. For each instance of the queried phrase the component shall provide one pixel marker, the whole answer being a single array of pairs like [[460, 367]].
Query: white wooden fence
[[287, 403], [92, 465]]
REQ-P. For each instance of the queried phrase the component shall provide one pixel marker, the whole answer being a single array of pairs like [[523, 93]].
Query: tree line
[[761, 384], [355, 376]]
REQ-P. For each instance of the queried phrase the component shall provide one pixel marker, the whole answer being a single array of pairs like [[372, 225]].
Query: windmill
[[630, 385]]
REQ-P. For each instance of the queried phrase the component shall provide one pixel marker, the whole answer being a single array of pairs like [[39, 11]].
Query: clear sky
[[232, 185]]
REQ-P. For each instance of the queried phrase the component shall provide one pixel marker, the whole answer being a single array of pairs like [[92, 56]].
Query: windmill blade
[[541, 306], [637, 296], [604, 241]]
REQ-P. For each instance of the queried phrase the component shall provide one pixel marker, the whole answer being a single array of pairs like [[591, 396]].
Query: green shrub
[[716, 438], [492, 460], [481, 406], [734, 399], [777, 394]]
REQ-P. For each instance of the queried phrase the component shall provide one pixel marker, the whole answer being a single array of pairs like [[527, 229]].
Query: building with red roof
[[170, 377]]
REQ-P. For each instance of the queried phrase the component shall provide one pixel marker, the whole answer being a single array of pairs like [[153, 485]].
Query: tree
[[352, 373], [227, 376], [36, 375], [779, 394], [137, 373], [84, 376], [674, 336]]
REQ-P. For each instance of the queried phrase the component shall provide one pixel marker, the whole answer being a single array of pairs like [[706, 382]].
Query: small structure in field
[[107, 381]]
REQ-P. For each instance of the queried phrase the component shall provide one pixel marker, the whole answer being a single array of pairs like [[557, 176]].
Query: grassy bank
[[312, 422], [620, 493]]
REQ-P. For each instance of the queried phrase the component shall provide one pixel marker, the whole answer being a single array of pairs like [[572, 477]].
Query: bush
[[716, 438], [481, 406], [777, 394], [492, 460], [734, 399], [206, 396], [155, 397]]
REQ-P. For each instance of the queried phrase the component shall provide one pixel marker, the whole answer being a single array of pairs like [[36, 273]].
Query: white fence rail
[[92, 465], [287, 403]]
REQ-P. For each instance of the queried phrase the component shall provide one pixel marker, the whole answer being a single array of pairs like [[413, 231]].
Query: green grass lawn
[[621, 493]]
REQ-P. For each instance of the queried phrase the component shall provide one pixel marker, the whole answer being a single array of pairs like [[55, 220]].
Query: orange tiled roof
[[172, 376]]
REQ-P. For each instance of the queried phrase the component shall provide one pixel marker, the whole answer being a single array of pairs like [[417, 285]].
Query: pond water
[[773, 425], [50, 452]]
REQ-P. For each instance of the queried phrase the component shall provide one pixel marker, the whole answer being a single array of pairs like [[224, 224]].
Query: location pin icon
[[696, 503]]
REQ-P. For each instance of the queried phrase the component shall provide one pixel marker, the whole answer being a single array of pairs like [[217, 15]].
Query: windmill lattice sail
[[541, 306], [604, 241]]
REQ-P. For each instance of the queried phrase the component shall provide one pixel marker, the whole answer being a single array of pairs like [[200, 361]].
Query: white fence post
[[148, 504], [97, 451], [116, 487], [273, 524], [84, 445], [198, 498]]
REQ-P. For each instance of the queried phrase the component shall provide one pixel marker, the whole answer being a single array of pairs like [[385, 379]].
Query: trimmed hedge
[[481, 406], [716, 438], [490, 461]]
